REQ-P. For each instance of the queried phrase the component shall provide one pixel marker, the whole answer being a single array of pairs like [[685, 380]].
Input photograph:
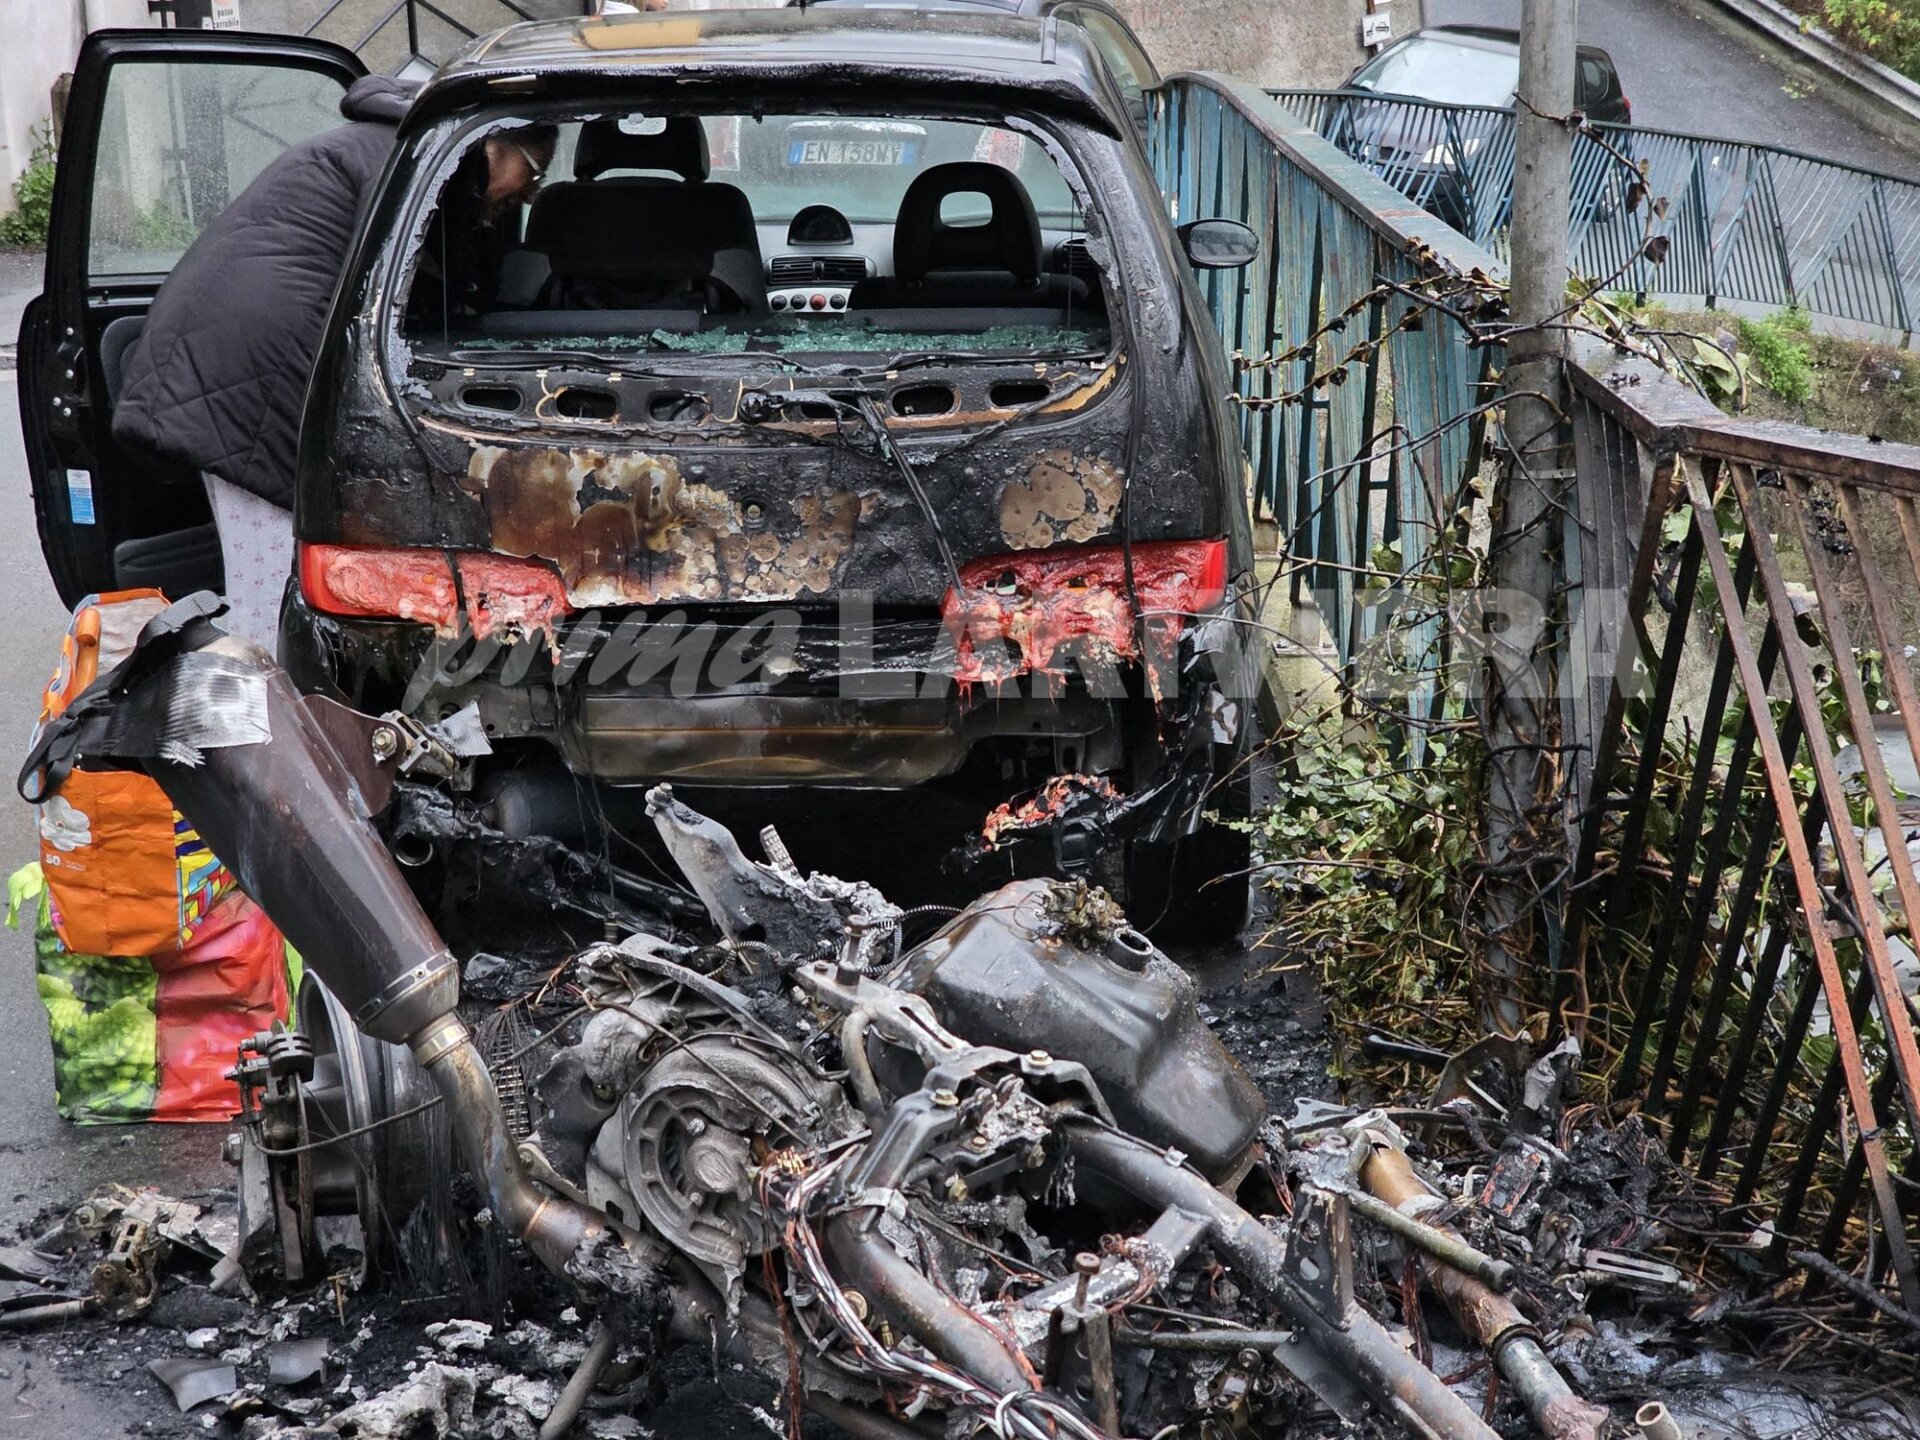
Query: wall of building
[[41, 40], [39, 43], [1269, 42]]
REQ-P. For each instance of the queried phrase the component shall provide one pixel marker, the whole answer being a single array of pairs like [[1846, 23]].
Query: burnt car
[[1128, 65], [840, 416]]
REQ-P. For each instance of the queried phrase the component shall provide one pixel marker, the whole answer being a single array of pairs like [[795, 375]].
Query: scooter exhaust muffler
[[286, 817], [235, 746]]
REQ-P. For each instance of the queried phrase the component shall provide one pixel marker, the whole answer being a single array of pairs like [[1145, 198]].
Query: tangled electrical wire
[[791, 1193]]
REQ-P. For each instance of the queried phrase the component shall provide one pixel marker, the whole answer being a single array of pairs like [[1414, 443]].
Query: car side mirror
[[1219, 244]]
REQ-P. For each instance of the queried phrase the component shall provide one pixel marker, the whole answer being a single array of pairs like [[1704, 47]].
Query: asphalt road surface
[[44, 1161], [1685, 71]]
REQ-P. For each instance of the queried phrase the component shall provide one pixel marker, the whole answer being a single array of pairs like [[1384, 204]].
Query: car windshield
[[862, 165], [723, 234], [1445, 70]]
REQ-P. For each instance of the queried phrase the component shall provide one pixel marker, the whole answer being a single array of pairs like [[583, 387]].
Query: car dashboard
[[820, 276]]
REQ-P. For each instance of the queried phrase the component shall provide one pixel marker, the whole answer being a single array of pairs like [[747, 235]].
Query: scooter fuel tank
[[1008, 971]]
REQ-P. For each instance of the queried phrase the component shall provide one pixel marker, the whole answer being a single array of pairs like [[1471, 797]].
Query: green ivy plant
[[1372, 855], [26, 223], [1780, 354]]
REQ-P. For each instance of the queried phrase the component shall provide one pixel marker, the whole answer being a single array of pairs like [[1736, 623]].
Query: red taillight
[[1172, 577], [1034, 603], [372, 582], [1629, 104], [1182, 578]]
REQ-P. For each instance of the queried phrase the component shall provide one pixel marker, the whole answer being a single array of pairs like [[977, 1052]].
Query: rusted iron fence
[[1745, 872], [1740, 708], [1744, 222]]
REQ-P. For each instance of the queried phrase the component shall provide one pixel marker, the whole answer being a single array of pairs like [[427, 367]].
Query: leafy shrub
[[1373, 856], [1889, 32], [26, 223], [1778, 353], [1722, 373]]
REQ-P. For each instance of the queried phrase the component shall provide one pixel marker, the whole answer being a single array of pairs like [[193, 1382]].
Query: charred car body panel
[[675, 495], [367, 480]]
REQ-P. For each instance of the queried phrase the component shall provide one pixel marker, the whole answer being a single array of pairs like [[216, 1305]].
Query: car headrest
[[625, 229], [679, 146], [1010, 240]]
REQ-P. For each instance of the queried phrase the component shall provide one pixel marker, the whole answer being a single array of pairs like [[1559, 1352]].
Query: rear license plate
[[850, 152]]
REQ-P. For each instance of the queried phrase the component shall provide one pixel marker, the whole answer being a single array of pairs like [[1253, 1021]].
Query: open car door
[[163, 128]]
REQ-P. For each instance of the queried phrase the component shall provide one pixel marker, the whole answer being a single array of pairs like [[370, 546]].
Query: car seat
[[679, 148], [995, 262], [613, 245]]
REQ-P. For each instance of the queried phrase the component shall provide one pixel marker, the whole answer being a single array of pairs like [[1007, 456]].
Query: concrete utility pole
[[1526, 844]]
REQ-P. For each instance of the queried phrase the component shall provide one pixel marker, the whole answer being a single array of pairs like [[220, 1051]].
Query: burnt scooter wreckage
[[850, 1166]]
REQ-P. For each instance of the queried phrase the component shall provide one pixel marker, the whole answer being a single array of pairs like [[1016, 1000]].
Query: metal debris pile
[[1495, 1232], [327, 1362], [1505, 1239], [988, 1172]]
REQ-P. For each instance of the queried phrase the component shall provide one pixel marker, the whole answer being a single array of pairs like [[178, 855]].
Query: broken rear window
[[736, 234]]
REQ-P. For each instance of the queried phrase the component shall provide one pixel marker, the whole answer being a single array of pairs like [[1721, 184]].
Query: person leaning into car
[[472, 231], [218, 377]]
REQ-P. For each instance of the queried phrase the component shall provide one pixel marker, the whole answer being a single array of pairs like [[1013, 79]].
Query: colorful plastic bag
[[129, 876], [152, 1038]]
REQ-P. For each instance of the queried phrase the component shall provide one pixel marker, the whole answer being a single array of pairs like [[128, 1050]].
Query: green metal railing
[[1342, 466], [1743, 222]]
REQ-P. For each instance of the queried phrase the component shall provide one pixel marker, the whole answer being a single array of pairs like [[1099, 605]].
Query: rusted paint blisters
[[1062, 498]]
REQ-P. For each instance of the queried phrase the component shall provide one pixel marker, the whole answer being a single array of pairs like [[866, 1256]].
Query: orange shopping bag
[[128, 876]]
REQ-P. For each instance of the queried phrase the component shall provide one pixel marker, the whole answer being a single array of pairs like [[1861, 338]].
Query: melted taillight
[[1033, 606], [524, 597]]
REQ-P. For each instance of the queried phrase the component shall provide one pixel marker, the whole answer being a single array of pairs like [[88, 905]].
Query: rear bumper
[[880, 712], [728, 739]]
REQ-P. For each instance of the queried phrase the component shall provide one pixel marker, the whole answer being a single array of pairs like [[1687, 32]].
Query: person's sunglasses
[[533, 162]]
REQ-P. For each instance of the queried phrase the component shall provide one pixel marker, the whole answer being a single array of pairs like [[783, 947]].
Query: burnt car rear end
[[959, 513]]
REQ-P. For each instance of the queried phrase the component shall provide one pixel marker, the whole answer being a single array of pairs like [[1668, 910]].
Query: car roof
[[1004, 7], [956, 47], [1493, 37]]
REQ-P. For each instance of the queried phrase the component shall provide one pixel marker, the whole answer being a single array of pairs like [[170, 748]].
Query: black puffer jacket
[[218, 377]]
